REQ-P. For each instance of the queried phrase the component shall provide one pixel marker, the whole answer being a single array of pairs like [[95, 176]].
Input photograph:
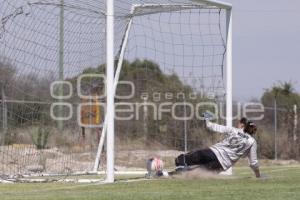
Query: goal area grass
[[282, 182]]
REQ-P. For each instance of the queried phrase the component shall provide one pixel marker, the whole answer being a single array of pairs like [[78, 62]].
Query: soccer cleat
[[182, 168], [179, 170]]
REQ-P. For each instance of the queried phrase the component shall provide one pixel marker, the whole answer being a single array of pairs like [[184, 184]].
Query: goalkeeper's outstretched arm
[[225, 129], [220, 128], [253, 161]]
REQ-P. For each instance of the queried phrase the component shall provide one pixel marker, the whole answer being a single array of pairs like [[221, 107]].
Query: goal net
[[169, 68], [49, 52]]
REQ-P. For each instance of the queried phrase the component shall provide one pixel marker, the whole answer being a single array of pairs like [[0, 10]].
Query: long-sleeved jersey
[[237, 144]]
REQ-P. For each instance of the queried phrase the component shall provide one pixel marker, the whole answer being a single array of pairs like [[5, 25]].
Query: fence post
[[295, 137], [4, 116], [295, 123], [275, 128], [185, 127]]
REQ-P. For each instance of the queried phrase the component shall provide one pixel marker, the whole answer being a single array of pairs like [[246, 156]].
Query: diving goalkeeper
[[239, 142]]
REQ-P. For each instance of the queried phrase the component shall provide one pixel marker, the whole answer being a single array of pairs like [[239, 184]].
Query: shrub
[[40, 137]]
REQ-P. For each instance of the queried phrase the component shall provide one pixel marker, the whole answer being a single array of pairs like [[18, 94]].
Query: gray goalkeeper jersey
[[237, 144]]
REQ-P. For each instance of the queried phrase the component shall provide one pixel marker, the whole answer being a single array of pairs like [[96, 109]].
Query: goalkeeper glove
[[207, 116]]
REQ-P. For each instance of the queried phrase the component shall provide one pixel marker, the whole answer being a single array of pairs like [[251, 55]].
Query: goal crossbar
[[217, 4], [148, 9]]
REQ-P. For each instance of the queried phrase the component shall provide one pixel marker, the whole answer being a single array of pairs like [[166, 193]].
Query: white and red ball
[[155, 165]]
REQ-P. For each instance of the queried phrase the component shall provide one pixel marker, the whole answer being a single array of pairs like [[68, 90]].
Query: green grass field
[[283, 183]]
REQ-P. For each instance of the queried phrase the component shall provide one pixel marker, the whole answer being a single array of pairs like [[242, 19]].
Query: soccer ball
[[154, 167]]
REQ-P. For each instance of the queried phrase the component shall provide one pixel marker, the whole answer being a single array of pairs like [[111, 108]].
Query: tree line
[[148, 78]]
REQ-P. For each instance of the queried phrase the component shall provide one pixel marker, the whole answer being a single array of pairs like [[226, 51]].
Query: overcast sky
[[266, 49], [266, 45]]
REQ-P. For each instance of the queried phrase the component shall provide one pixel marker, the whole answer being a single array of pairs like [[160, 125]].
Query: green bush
[[40, 137]]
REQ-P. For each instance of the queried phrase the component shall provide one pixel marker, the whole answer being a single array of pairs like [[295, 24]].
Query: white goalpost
[[110, 90]]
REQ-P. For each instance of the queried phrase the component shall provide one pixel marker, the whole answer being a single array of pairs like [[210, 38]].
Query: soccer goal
[[99, 87], [172, 57]]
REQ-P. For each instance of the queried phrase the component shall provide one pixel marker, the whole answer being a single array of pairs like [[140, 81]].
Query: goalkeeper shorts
[[205, 158]]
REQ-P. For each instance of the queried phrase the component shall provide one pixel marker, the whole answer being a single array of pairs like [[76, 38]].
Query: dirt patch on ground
[[200, 173]]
